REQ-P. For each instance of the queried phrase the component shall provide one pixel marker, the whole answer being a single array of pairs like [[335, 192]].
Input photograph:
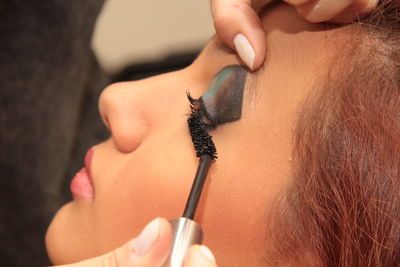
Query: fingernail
[[143, 242], [244, 49], [207, 253]]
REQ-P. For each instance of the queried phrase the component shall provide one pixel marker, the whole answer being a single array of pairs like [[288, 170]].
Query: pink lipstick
[[81, 184]]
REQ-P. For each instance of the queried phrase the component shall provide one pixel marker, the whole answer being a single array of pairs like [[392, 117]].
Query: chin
[[65, 241], [53, 241]]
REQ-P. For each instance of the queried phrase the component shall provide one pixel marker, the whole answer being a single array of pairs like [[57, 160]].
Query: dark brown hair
[[343, 208]]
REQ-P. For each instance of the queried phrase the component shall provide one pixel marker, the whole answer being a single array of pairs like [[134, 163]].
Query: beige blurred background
[[133, 31]]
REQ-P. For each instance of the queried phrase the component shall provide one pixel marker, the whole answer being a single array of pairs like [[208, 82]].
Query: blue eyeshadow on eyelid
[[218, 80], [222, 103]]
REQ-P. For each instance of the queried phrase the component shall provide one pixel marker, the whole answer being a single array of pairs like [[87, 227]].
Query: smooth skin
[[232, 17], [158, 251]]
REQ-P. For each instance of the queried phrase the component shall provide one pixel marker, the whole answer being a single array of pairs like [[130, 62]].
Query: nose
[[121, 107]]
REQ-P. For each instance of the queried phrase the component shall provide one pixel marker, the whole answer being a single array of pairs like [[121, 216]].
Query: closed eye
[[197, 107]]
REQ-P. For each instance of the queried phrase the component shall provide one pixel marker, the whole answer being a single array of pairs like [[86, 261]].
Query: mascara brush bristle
[[201, 139]]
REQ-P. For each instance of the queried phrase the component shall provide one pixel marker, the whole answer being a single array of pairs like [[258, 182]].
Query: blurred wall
[[130, 31]]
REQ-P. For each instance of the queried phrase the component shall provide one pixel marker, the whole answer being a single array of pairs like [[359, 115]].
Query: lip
[[88, 161], [82, 184]]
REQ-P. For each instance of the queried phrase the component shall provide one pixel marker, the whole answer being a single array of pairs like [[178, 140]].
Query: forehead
[[286, 33], [297, 58]]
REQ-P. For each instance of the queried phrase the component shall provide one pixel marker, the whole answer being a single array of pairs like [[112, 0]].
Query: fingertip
[[152, 246], [199, 255], [166, 228], [253, 56], [260, 49], [162, 246], [244, 49], [239, 27], [250, 46], [256, 66], [207, 253]]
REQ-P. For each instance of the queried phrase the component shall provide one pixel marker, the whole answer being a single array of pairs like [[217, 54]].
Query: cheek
[[132, 189], [153, 182], [71, 236], [252, 169]]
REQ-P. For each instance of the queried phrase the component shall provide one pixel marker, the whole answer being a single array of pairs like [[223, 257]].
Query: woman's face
[[145, 170]]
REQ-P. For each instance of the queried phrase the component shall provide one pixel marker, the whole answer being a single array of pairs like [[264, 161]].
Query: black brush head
[[202, 140]]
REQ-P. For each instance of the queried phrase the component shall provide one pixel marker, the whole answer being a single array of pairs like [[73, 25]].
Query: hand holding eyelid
[[238, 24]]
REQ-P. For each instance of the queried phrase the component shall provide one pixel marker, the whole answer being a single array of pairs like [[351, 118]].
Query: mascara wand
[[205, 149], [197, 187], [186, 231]]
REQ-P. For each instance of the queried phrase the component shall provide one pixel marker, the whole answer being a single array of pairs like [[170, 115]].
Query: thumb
[[239, 27], [199, 256], [150, 248]]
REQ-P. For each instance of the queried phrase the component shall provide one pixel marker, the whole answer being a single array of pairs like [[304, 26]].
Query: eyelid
[[205, 116], [196, 106]]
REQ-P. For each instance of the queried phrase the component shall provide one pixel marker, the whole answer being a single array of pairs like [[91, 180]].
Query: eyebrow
[[252, 86]]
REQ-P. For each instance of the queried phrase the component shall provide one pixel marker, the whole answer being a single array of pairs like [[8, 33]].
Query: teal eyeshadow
[[222, 103], [219, 80]]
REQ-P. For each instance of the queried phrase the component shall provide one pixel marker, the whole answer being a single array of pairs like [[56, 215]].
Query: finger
[[150, 249], [199, 256], [358, 9], [323, 10], [239, 27]]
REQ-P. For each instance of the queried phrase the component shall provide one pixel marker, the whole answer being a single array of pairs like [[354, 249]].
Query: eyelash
[[197, 108], [199, 131]]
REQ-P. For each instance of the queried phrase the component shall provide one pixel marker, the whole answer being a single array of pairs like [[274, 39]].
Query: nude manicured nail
[[207, 253], [244, 49], [143, 242]]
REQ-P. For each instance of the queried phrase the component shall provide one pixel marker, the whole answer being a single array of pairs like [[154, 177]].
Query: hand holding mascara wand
[[145, 251]]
